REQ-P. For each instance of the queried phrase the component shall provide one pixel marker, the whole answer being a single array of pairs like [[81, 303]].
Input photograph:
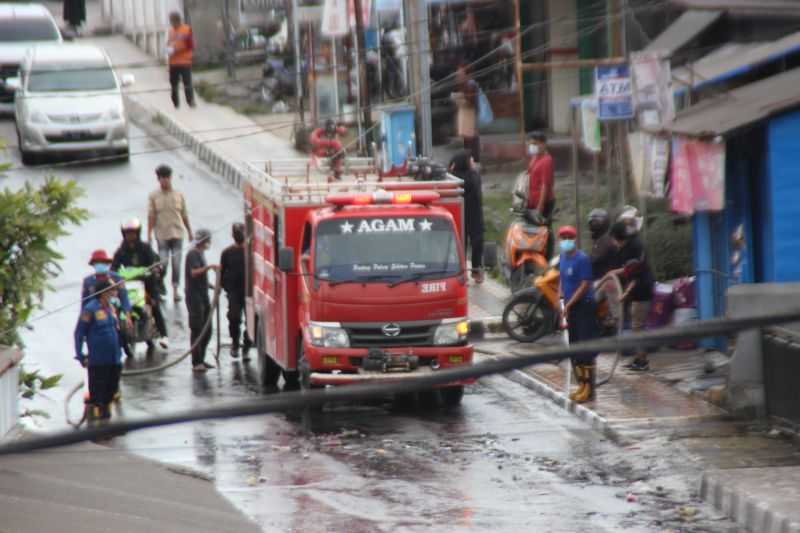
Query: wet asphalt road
[[505, 461]]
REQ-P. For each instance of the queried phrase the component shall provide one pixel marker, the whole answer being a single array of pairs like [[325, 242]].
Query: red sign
[[698, 176]]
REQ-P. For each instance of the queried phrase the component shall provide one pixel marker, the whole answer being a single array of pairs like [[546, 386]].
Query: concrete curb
[[594, 420], [219, 163], [744, 509]]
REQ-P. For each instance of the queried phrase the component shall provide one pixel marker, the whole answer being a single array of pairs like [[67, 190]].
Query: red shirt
[[540, 171]]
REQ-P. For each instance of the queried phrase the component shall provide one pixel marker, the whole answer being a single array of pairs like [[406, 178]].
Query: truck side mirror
[[286, 259]]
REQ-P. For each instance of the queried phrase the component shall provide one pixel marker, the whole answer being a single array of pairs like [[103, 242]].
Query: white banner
[[335, 18], [652, 82], [649, 158]]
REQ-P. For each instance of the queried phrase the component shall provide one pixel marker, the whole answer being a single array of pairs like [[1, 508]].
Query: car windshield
[[75, 78], [27, 29], [386, 248]]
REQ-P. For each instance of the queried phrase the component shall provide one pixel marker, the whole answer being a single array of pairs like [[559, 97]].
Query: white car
[[21, 26], [69, 100]]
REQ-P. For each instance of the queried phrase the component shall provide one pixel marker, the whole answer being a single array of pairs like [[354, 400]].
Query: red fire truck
[[357, 279]]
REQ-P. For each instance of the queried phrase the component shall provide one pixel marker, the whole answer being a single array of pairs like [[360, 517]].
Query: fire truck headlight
[[328, 335], [453, 331]]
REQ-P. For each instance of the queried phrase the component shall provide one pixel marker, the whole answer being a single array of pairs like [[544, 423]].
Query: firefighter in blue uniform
[[98, 327], [101, 263]]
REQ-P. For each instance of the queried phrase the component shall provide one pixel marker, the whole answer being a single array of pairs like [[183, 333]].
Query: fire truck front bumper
[[359, 365]]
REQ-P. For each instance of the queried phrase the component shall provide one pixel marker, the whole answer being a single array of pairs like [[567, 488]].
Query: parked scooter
[[533, 312], [143, 327], [524, 249], [278, 81]]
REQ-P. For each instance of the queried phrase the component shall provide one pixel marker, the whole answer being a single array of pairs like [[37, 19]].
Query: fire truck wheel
[[304, 370], [451, 396], [268, 370]]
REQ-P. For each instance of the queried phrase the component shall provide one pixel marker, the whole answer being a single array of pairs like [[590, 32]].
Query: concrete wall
[[564, 84], [746, 394], [9, 390]]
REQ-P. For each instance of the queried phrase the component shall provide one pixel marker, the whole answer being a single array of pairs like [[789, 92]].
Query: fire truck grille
[[380, 335]]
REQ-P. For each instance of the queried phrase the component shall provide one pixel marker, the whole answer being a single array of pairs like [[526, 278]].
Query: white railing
[[146, 22], [9, 391]]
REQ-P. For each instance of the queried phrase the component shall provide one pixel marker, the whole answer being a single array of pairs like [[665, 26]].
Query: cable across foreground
[[293, 401]]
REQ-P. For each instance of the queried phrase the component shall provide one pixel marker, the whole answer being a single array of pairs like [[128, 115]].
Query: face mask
[[101, 268], [114, 301], [533, 150], [567, 246], [630, 229]]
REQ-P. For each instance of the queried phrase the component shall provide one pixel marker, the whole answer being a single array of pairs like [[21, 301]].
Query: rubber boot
[[579, 375], [587, 392], [591, 381]]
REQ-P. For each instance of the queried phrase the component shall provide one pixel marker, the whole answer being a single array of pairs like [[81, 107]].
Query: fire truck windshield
[[378, 249]]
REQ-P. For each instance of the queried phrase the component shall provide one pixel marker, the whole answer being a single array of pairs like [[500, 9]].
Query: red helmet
[[99, 256], [567, 232]]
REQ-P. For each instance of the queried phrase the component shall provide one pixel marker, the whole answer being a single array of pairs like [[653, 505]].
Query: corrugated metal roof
[[734, 59], [735, 109], [746, 7], [684, 29]]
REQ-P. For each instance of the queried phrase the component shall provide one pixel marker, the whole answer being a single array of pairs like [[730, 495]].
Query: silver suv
[[69, 100], [21, 26]]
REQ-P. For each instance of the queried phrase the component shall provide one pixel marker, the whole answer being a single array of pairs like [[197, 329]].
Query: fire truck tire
[[268, 370], [291, 378], [304, 370], [451, 396]]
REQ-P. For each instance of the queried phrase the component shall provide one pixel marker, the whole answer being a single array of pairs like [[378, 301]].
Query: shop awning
[[735, 109], [685, 28], [733, 60], [777, 8]]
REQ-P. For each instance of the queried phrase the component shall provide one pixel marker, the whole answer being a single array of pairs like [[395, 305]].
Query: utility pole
[[419, 45], [229, 53], [294, 17], [363, 82]]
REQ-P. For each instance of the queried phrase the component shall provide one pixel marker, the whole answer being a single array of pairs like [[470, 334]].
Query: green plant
[[30, 220], [32, 382], [207, 91]]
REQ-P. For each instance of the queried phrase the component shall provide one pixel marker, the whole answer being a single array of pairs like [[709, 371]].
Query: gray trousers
[[171, 249]]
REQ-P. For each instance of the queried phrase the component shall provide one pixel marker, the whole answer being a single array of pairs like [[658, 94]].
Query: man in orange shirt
[[540, 181], [180, 44]]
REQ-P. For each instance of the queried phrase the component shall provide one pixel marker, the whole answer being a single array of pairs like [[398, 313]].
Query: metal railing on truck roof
[[307, 180]]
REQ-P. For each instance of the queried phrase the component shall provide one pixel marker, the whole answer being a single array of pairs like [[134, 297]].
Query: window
[[16, 29], [71, 78]]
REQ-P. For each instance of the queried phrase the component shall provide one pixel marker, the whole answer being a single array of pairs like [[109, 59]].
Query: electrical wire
[[305, 399]]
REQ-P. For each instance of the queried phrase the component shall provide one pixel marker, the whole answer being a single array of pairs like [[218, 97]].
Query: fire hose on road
[[155, 369], [299, 400]]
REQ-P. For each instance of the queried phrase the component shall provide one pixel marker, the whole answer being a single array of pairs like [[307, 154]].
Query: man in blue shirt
[[98, 327], [580, 310]]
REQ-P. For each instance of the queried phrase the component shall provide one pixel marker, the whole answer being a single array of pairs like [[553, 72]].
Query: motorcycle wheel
[[527, 317]]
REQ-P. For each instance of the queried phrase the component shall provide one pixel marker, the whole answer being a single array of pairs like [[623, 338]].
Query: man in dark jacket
[[98, 327], [638, 282], [463, 166], [233, 282], [604, 251], [133, 252], [198, 303]]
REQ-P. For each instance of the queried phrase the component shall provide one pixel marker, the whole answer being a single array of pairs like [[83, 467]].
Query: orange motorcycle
[[525, 249], [533, 312]]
